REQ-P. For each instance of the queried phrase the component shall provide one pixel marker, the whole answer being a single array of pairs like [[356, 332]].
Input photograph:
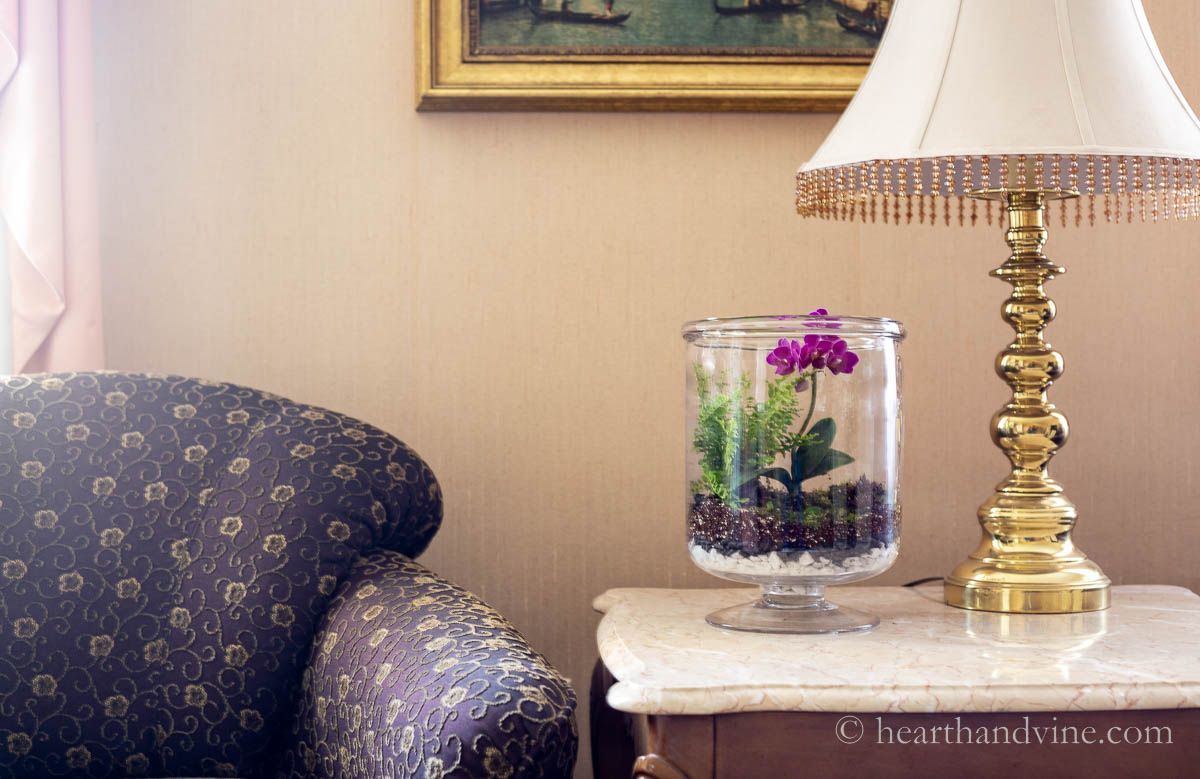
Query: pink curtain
[[48, 196]]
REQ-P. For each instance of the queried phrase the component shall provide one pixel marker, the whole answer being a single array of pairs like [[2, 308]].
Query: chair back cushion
[[167, 547]]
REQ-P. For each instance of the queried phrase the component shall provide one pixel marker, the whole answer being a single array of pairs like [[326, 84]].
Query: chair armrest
[[412, 675]]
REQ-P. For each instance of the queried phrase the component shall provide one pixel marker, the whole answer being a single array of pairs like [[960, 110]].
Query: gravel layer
[[808, 563]]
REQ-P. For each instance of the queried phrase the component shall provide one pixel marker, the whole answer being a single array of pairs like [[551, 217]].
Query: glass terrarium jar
[[793, 462]]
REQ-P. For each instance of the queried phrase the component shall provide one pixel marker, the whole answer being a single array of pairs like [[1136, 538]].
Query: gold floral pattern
[[128, 588], [116, 706], [44, 685], [473, 701], [25, 627], [174, 597], [70, 582], [100, 646], [19, 744], [236, 655]]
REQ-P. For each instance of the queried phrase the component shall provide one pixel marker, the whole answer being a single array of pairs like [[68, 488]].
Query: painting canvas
[[664, 27], [645, 54]]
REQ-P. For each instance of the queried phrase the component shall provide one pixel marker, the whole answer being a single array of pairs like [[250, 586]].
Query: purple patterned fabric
[[168, 549], [413, 676]]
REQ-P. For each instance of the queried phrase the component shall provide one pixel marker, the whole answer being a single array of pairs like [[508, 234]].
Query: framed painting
[[659, 55]]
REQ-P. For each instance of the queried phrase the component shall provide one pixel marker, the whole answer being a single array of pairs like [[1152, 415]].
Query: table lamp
[[1018, 103]]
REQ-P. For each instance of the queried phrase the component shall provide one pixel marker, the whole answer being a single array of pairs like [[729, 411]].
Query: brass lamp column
[[1082, 110], [1026, 562]]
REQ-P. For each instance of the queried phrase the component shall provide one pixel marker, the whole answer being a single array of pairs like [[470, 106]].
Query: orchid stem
[[812, 404]]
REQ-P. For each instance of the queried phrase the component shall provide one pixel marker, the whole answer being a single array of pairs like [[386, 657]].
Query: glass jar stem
[[800, 596]]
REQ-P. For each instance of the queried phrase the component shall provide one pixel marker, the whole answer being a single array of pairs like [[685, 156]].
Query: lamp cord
[[926, 580]]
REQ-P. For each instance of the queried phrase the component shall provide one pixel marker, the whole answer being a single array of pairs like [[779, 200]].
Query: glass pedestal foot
[[792, 610]]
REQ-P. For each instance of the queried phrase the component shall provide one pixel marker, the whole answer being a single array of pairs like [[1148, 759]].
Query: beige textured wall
[[505, 291]]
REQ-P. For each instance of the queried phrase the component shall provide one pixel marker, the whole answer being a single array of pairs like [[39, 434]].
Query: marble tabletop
[[1143, 653]]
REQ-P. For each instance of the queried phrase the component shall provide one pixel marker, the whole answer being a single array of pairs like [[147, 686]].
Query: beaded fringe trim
[[1122, 188]]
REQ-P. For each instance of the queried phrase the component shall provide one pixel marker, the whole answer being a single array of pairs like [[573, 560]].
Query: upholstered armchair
[[200, 579]]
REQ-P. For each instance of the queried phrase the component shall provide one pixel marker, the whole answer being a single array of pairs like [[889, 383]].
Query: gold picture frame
[[453, 74]]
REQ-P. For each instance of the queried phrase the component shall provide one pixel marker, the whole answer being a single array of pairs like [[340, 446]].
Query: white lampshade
[[1053, 94]]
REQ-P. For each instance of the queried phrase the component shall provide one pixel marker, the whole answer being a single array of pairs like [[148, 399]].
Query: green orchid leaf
[[778, 474], [808, 458], [833, 459], [825, 430]]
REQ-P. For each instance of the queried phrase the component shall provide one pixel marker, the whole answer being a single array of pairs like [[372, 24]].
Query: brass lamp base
[[1027, 563], [1027, 600], [983, 585]]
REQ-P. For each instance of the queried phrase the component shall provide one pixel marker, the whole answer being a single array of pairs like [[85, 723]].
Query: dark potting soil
[[850, 516]]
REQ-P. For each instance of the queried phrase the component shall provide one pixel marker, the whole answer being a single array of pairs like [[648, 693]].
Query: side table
[[933, 691]]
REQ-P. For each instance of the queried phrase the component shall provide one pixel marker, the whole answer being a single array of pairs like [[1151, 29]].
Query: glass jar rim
[[792, 324]]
